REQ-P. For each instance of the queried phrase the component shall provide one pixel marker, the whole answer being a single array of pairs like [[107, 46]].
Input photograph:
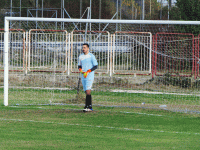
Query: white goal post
[[7, 24]]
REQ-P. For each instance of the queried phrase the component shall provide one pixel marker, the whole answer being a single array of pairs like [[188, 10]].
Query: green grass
[[67, 127], [38, 96], [103, 98]]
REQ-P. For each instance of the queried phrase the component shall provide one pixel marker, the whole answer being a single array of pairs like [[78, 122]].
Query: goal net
[[141, 63]]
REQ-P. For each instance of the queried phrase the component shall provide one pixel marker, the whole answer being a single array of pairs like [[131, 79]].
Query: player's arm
[[93, 68], [95, 64], [80, 66], [88, 71], [80, 69]]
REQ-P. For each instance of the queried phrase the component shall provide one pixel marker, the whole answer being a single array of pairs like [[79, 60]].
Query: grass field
[[174, 102], [67, 127]]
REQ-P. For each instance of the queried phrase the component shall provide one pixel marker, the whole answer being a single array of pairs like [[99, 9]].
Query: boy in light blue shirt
[[87, 63]]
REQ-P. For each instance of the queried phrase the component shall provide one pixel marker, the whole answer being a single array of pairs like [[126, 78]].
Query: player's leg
[[89, 98], [88, 94], [84, 88]]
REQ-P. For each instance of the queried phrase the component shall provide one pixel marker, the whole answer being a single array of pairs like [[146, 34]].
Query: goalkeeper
[[87, 63]]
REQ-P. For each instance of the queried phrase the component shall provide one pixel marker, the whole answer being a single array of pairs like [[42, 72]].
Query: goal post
[[151, 62], [6, 66]]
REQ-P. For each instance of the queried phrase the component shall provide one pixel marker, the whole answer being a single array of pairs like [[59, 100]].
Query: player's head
[[85, 48], [86, 44]]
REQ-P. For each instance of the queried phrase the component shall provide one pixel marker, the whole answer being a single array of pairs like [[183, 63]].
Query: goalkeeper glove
[[86, 73], [81, 71]]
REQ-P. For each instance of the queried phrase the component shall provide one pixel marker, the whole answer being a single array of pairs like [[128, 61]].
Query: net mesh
[[140, 65]]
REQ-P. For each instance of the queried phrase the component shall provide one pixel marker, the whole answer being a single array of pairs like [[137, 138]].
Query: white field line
[[151, 92], [124, 112], [107, 127], [120, 91], [46, 88]]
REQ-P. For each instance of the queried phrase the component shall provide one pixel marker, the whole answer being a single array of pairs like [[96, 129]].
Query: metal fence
[[1, 49], [174, 54], [126, 53], [132, 53], [17, 49], [197, 57], [48, 50], [17, 55]]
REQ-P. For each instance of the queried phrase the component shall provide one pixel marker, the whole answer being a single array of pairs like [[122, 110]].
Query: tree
[[132, 9], [189, 9], [152, 8]]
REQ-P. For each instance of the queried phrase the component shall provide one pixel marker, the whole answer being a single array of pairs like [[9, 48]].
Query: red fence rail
[[197, 56]]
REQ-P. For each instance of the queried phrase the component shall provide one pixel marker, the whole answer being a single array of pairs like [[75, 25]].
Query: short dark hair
[[86, 44]]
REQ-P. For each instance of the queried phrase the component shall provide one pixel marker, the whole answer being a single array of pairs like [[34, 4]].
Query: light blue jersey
[[87, 62]]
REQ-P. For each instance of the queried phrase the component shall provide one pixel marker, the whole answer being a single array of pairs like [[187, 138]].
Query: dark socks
[[88, 101]]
